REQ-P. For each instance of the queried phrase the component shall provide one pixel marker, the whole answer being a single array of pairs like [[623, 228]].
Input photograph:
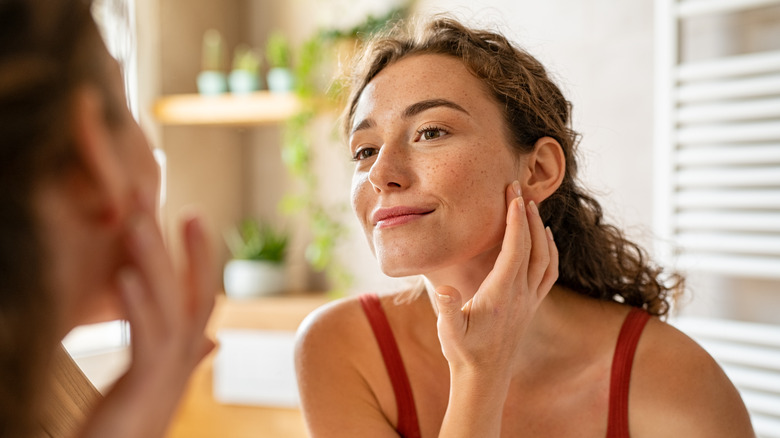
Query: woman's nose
[[390, 170]]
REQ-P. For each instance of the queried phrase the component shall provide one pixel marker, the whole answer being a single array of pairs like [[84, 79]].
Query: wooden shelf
[[259, 108]]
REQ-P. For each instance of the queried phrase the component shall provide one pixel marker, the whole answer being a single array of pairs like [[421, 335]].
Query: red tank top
[[408, 424]]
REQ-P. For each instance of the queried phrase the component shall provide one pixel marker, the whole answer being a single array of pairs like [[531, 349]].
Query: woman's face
[[137, 175], [432, 163], [131, 143], [140, 175]]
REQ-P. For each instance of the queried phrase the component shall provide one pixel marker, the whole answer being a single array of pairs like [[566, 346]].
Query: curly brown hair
[[596, 259]]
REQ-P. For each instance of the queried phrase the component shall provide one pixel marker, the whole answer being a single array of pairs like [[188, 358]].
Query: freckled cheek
[[477, 190], [361, 199], [357, 189], [456, 177]]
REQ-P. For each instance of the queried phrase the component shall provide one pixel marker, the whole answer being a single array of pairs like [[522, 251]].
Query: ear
[[100, 174], [545, 169]]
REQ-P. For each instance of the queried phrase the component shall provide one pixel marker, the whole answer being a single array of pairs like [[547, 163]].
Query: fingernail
[[534, 208], [518, 190], [549, 234], [194, 226], [443, 298], [521, 204]]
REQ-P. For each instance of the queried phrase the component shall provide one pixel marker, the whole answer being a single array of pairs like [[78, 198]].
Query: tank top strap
[[622, 362], [408, 424]]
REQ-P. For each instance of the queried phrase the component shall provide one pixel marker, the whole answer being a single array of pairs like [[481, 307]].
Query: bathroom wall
[[600, 51]]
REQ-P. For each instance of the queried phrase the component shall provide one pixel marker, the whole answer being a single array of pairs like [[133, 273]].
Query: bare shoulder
[[677, 389], [334, 325], [336, 364], [332, 341]]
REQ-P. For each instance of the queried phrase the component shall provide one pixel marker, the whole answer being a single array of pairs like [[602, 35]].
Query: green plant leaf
[[277, 50], [212, 51], [254, 240]]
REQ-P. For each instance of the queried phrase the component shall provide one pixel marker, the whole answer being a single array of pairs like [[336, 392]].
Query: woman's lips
[[388, 217]]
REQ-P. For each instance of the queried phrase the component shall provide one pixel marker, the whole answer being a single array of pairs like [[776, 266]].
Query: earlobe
[[545, 169], [97, 162]]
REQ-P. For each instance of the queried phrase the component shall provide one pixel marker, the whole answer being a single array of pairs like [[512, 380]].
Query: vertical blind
[[717, 149]]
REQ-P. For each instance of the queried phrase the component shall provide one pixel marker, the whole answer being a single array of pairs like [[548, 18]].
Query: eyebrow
[[414, 109], [417, 108]]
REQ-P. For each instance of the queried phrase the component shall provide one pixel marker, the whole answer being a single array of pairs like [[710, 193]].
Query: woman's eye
[[431, 133], [363, 153]]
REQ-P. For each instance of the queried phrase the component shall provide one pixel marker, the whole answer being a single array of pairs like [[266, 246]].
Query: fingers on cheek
[[202, 275], [512, 191], [526, 233], [193, 235], [199, 250], [136, 302], [541, 249], [553, 255], [130, 286], [509, 196]]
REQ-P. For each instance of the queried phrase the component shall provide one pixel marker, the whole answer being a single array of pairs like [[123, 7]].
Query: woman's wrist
[[480, 383], [476, 403]]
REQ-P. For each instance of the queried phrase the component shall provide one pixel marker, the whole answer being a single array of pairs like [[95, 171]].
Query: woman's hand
[[485, 331], [168, 312], [481, 338]]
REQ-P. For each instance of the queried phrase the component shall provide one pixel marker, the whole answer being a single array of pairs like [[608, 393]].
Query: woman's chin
[[399, 270], [406, 259]]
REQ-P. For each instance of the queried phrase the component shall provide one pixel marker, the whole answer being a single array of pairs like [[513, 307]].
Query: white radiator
[[749, 353], [717, 144]]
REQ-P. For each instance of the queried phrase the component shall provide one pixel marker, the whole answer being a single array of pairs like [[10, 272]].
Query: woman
[[78, 235], [462, 151]]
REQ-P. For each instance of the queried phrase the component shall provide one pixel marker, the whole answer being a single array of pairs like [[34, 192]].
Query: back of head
[[47, 48], [595, 258]]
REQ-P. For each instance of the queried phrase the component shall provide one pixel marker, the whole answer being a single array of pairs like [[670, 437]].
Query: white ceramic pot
[[243, 82], [211, 83], [280, 80], [252, 278]]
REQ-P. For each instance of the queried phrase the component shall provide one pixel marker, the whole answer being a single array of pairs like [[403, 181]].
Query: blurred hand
[[167, 312]]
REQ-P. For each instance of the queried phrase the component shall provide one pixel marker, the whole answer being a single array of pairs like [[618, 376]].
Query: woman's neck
[[465, 277]]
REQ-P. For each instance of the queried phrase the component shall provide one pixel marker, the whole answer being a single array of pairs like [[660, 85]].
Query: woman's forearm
[[135, 409]]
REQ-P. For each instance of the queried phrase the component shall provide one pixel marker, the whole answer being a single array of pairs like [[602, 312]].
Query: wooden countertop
[[200, 416]]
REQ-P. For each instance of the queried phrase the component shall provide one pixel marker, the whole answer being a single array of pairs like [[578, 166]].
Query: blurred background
[[678, 104], [602, 52]]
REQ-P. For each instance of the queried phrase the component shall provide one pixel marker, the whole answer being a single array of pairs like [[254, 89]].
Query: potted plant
[[244, 77], [257, 266], [277, 52], [211, 79]]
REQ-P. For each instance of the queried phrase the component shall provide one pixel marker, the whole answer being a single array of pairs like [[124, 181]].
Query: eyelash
[[420, 133], [356, 157], [430, 128]]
